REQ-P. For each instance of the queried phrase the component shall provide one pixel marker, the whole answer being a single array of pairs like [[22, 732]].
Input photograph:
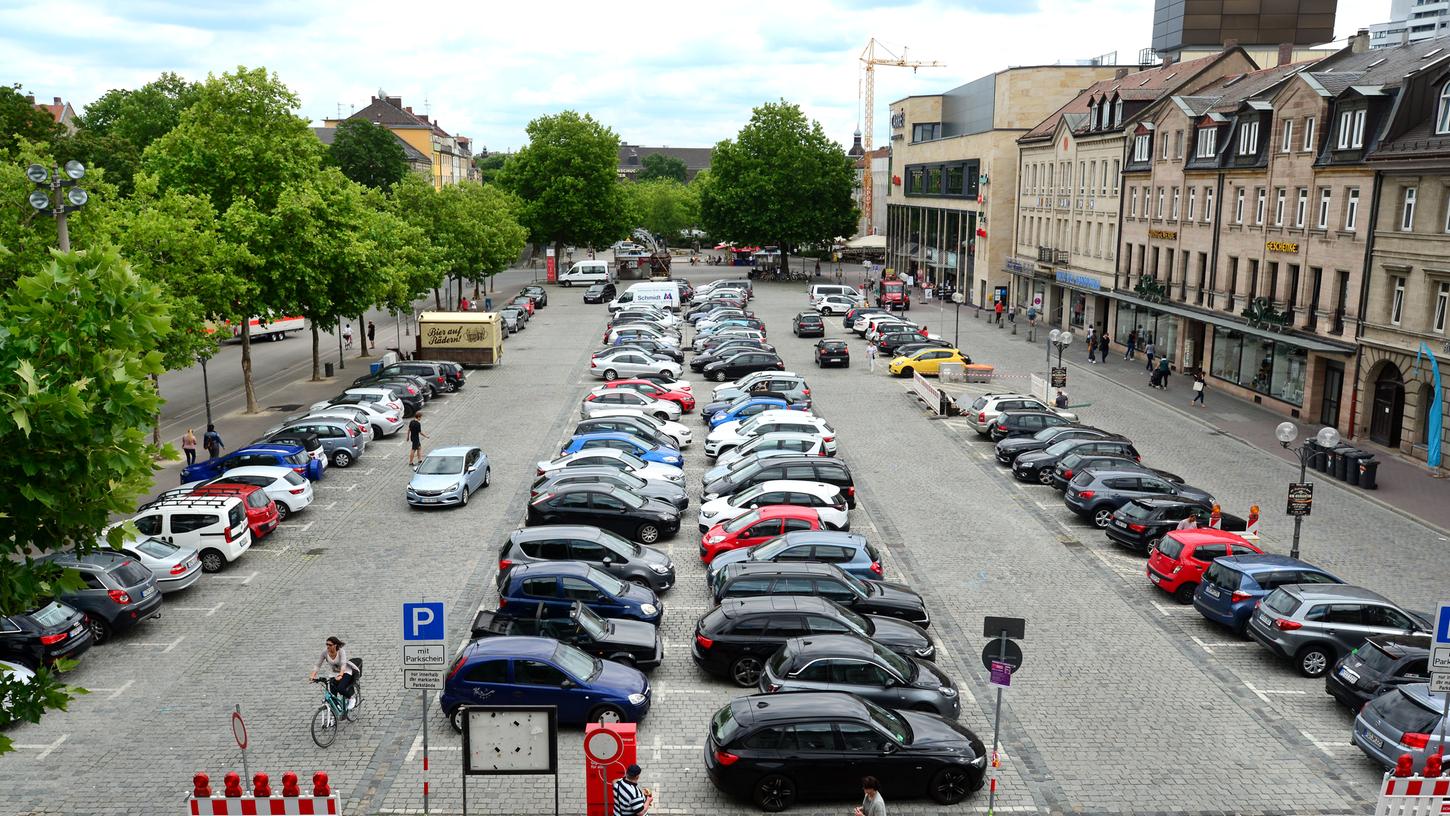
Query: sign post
[[1440, 668], [423, 660], [239, 733], [1001, 656]]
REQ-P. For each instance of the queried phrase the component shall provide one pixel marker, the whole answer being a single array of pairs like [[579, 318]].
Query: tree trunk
[[252, 406], [437, 299], [316, 353], [475, 288], [362, 331], [785, 261], [156, 426]]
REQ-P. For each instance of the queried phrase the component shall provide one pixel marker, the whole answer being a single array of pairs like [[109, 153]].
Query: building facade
[[1411, 21], [449, 159], [631, 159], [873, 169], [1185, 23]]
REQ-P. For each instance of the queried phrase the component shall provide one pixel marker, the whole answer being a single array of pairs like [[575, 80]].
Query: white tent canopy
[[867, 242]]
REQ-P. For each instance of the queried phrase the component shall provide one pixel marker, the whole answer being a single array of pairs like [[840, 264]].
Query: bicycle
[[334, 708]]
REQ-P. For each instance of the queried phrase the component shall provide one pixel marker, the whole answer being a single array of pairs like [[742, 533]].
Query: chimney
[[1230, 43], [57, 101], [1167, 60], [1359, 43], [1120, 73], [409, 109], [1286, 53]]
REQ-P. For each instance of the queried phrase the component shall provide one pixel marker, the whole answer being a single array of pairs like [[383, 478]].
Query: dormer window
[[1092, 116], [1207, 142], [1442, 113], [1142, 148], [1249, 138], [1118, 113], [1351, 130]]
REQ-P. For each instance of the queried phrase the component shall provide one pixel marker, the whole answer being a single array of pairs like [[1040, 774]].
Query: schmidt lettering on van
[[665, 294]]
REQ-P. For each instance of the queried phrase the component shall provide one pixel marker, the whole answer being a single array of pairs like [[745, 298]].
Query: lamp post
[[1058, 339], [47, 198], [1327, 438], [957, 298], [205, 387]]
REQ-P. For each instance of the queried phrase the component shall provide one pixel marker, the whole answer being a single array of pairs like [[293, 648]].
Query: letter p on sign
[[423, 621]]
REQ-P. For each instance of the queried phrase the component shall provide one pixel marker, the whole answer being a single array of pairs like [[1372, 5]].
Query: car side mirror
[[608, 560], [754, 507], [566, 683], [888, 747]]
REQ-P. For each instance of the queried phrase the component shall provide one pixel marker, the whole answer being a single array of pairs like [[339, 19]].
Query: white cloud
[[658, 72]]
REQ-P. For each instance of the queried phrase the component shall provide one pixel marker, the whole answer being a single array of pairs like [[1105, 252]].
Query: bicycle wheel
[[324, 726]]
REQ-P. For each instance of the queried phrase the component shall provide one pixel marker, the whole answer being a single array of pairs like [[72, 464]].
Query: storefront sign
[[1017, 267], [898, 118], [1163, 235], [1301, 498], [1079, 280], [455, 335], [1282, 246]]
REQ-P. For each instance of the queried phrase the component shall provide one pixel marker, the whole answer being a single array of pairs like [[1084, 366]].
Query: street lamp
[[47, 197], [1326, 439], [1058, 339], [957, 298]]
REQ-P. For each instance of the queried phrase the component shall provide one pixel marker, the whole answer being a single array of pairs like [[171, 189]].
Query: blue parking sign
[[423, 621], [1442, 624]]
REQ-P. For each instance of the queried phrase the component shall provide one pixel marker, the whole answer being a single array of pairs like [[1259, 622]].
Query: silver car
[[342, 439], [449, 476], [613, 365], [513, 318], [1403, 720], [614, 398], [174, 567], [1316, 624]]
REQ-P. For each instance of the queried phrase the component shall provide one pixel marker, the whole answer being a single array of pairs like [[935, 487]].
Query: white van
[[822, 290], [664, 294], [215, 526], [587, 272]]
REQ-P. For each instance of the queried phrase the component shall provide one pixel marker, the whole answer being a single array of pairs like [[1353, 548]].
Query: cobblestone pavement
[[1127, 702]]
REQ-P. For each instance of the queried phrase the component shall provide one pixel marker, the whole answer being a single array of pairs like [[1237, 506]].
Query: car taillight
[[119, 596], [394, 420], [352, 431], [1286, 625], [726, 758], [1067, 474], [981, 416], [178, 569], [1002, 428], [1137, 528], [851, 491], [876, 568], [229, 534], [538, 471], [504, 563], [806, 393], [297, 491], [704, 642], [441, 379], [1240, 596], [1086, 494], [593, 363], [457, 664], [1413, 740], [828, 439], [50, 640]]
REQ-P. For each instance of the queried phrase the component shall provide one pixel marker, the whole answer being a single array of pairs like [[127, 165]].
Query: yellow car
[[926, 362]]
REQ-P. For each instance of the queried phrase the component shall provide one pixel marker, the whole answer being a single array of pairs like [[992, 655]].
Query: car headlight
[[946, 691], [637, 699], [660, 568], [673, 460], [925, 651], [649, 609], [453, 487]]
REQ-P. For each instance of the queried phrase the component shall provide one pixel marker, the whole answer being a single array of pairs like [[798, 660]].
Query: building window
[[1158, 213], [1267, 366], [1239, 205], [1442, 304], [1322, 221], [1397, 301], [1165, 146], [1093, 116], [1207, 142], [1287, 144], [1082, 177], [1133, 202], [1177, 144], [954, 180], [1351, 130], [1260, 199], [1309, 133], [1208, 205], [1141, 147], [1442, 113], [1249, 138], [1302, 207], [1351, 209], [1279, 207], [925, 132], [1116, 173], [1118, 113], [1407, 210], [1103, 182], [1175, 203], [1192, 202]]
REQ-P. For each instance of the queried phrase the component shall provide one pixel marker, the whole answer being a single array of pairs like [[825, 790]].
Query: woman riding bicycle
[[341, 672]]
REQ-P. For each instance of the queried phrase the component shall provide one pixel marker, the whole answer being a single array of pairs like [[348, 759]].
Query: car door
[[538, 683], [596, 554], [486, 683], [578, 589], [1203, 555], [610, 513], [864, 752], [1342, 623], [760, 532], [543, 590], [1387, 620], [870, 681], [815, 761], [472, 472], [570, 507]]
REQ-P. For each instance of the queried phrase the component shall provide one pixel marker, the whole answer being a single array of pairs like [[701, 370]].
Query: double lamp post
[[1300, 493]]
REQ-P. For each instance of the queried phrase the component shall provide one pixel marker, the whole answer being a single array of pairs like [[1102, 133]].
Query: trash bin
[[1368, 471], [1324, 462], [1341, 462], [327, 369], [374, 368], [1351, 473], [1315, 452]]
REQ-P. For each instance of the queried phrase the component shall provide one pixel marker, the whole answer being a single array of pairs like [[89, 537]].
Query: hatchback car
[[629, 443], [644, 520], [1096, 494], [289, 456], [543, 671], [343, 439], [608, 457], [786, 442], [656, 349], [449, 476], [538, 294], [1383, 663], [628, 642], [756, 527], [1232, 588], [174, 567], [748, 406], [1069, 466], [725, 349], [119, 592], [741, 364], [808, 324], [856, 665], [558, 584], [777, 748], [44, 635], [626, 560], [650, 388], [629, 364], [514, 319], [748, 579], [664, 491], [1011, 424], [849, 551], [801, 468], [437, 377], [290, 492], [1177, 564], [1007, 450], [832, 353], [599, 293], [926, 362], [733, 434], [1316, 624], [983, 411], [603, 400], [826, 500], [1141, 523], [1407, 720], [835, 304]]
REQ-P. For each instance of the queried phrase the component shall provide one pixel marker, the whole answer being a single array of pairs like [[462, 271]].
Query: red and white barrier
[[260, 800], [1402, 794]]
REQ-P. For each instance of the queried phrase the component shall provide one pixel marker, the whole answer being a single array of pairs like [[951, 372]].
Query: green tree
[[566, 178], [485, 235], [780, 181], [116, 128], [79, 339], [418, 204], [368, 154], [28, 235], [489, 166], [660, 166], [240, 145], [21, 121], [664, 206]]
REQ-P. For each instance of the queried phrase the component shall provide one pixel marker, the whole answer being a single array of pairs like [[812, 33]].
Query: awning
[[1217, 319], [867, 242]]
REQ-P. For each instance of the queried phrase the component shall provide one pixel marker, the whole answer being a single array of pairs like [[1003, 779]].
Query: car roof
[[547, 531], [1156, 502], [550, 567], [275, 471], [513, 646], [799, 460], [615, 436], [455, 450], [1330, 592], [803, 485], [759, 709], [770, 511], [607, 452], [736, 607], [838, 537], [840, 645], [1199, 536], [781, 568], [104, 559], [1253, 563], [262, 447]]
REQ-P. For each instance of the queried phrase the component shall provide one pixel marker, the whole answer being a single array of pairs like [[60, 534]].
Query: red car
[[524, 302], [262, 516], [1177, 564], [756, 527], [685, 399]]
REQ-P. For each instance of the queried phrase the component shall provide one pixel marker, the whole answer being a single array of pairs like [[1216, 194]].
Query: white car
[[744, 383], [354, 396], [825, 499], [609, 457], [674, 430], [795, 444], [836, 304], [889, 326], [647, 313], [614, 365], [642, 329], [291, 491], [984, 410], [624, 398], [382, 420], [736, 433]]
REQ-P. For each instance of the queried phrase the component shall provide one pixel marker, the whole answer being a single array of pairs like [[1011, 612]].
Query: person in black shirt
[[415, 439]]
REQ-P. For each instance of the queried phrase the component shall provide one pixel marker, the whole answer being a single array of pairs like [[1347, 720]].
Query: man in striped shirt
[[629, 798]]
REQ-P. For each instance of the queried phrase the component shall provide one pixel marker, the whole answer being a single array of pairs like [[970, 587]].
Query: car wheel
[[1184, 593], [100, 630], [570, 284], [667, 375], [1314, 660], [719, 376], [212, 561], [606, 714], [662, 416], [341, 459], [906, 371], [1045, 477], [283, 511], [463, 498], [949, 785], [610, 375], [745, 671], [487, 476], [640, 582], [774, 793], [1152, 545], [457, 719], [648, 533], [1101, 518], [625, 659]]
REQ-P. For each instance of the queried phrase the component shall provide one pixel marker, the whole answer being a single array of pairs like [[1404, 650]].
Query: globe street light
[[1324, 441], [1058, 339]]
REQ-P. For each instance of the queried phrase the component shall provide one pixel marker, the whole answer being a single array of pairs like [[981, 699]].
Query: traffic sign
[[1442, 624], [423, 621], [422, 678], [1002, 651], [1000, 674], [1014, 628], [1440, 658], [423, 655], [1301, 498], [1440, 682]]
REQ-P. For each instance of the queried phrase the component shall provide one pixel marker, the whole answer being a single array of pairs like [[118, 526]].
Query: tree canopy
[[115, 129], [663, 206], [566, 178], [21, 121], [660, 166], [368, 154]]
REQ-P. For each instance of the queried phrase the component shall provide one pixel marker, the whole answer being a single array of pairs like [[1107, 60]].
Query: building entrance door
[[1329, 394], [1389, 407]]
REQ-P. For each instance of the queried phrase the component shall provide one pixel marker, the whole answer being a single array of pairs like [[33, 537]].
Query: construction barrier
[[260, 800], [1403, 794], [929, 394]]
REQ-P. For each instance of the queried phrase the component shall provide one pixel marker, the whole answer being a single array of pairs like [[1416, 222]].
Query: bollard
[[233, 783], [201, 786], [289, 784], [319, 784], [261, 786], [1251, 526]]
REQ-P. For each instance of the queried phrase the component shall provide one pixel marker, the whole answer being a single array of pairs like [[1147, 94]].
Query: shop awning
[[1217, 319]]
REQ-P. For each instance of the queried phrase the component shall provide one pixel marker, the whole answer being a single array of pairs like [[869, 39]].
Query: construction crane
[[872, 55]]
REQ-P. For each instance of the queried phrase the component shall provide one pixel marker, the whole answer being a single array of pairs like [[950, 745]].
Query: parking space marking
[[1169, 610], [301, 528], [672, 690], [207, 611], [1048, 505], [348, 488], [114, 692], [1263, 694], [45, 749], [1329, 748], [244, 580], [366, 472], [268, 551], [327, 506], [168, 646], [1208, 646], [417, 748]]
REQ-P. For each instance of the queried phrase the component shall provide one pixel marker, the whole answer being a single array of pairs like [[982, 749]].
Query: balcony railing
[[1052, 256]]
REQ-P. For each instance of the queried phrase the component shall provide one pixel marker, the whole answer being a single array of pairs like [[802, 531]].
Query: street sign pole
[[996, 728], [238, 722], [423, 698], [423, 661]]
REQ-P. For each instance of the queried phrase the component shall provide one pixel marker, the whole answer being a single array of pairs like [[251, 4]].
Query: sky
[[658, 72]]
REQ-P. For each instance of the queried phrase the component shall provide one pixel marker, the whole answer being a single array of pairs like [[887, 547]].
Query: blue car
[[558, 584], [849, 551], [709, 412], [747, 407], [624, 442], [271, 455], [1233, 585], [536, 671]]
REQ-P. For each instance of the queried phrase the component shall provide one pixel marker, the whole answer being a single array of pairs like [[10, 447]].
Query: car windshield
[[747, 495], [741, 522], [723, 726], [590, 622], [1403, 712], [1281, 602], [441, 465], [575, 663], [155, 547], [129, 574], [889, 721], [606, 582], [52, 614], [899, 665]]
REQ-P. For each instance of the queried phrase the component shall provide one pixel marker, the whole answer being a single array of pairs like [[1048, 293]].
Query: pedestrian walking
[[372, 332], [188, 446], [415, 439], [1132, 344], [347, 334], [871, 356], [629, 798], [818, 267], [1150, 350], [1163, 371], [1104, 343], [871, 802], [1092, 345], [999, 308], [1199, 384], [212, 441]]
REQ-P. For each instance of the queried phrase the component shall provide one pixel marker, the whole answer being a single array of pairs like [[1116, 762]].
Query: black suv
[[1037, 466], [745, 362], [808, 324], [647, 520], [1007, 450], [434, 377], [599, 293], [604, 550], [746, 579], [453, 371], [1096, 494], [1380, 664], [44, 635], [119, 591], [1012, 424], [801, 468], [734, 640], [1140, 523]]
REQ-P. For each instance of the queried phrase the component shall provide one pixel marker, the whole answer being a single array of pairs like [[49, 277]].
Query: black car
[[1007, 450], [746, 362], [1140, 523], [629, 514], [777, 748], [44, 635], [734, 640], [119, 592], [801, 468], [746, 579], [1013, 424], [720, 341], [1378, 665], [435, 377], [625, 560], [1036, 466], [833, 352], [888, 343], [406, 386], [650, 347], [808, 324], [725, 350], [599, 293], [1074, 463], [633, 643], [1096, 494], [537, 294], [664, 491]]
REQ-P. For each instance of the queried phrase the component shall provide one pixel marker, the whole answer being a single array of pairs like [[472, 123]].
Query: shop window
[[954, 180]]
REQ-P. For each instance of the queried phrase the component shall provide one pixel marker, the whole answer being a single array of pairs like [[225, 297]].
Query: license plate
[[1262, 617], [146, 593], [1122, 524], [1213, 591], [1349, 676], [1155, 579], [1374, 739]]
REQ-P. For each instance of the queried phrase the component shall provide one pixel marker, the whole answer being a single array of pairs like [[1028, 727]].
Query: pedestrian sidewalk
[[1404, 486]]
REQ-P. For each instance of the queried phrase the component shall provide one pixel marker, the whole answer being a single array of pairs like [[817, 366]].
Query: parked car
[[926, 362], [625, 442], [1382, 663], [984, 410], [856, 665], [727, 348], [666, 434], [118, 595], [719, 471], [44, 635], [262, 513], [733, 434], [849, 551], [612, 366], [1140, 524], [805, 468], [382, 419], [664, 491], [175, 568], [525, 303], [644, 520], [911, 753], [290, 456], [435, 376], [800, 444], [411, 391], [808, 324], [608, 457], [215, 526], [1012, 424], [341, 438], [1177, 564], [748, 406], [1406, 720], [627, 642], [1232, 588], [748, 579], [657, 349], [832, 352], [835, 304], [596, 401], [786, 385], [449, 476], [1007, 450], [1096, 494], [626, 560], [1070, 465], [514, 319], [600, 293], [542, 671], [858, 313], [1316, 624], [1039, 465], [756, 527], [825, 499], [558, 584], [653, 389], [538, 294], [741, 364], [290, 492], [385, 397]]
